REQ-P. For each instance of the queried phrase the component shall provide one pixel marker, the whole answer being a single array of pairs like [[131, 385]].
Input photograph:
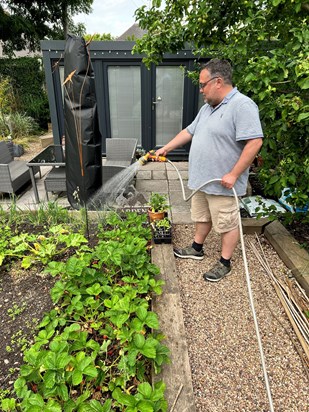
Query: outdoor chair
[[120, 151], [109, 171], [55, 180], [14, 174]]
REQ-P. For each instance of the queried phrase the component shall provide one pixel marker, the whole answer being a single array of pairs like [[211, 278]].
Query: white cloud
[[113, 16]]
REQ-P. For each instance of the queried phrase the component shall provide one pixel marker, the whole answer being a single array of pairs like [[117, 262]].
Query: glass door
[[168, 103], [124, 89]]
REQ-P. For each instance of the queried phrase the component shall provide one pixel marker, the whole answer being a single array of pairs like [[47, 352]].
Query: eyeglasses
[[202, 85]]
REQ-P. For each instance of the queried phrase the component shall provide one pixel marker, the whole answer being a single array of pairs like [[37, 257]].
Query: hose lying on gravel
[[247, 277], [293, 308]]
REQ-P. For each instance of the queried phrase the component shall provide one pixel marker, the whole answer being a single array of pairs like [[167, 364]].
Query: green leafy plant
[[18, 126], [50, 214], [42, 248], [101, 337], [267, 44], [162, 223], [158, 202], [27, 81], [16, 310]]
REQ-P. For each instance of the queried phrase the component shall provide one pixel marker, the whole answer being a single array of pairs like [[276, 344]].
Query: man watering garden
[[225, 137]]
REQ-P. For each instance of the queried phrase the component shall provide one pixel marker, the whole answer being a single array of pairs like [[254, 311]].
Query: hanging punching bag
[[82, 136]]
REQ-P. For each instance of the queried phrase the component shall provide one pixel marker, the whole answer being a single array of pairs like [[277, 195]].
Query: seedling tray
[[162, 235]]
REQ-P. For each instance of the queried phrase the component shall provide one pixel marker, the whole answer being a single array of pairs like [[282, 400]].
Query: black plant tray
[[162, 236]]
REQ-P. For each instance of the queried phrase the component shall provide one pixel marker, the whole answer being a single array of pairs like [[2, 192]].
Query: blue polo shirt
[[219, 136]]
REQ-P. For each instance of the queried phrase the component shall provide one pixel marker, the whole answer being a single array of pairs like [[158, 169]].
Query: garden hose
[[247, 275]]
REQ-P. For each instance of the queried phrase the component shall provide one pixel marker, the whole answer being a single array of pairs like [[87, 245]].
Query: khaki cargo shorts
[[222, 211]]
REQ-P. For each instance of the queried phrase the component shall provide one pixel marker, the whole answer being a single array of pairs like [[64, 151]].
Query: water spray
[[150, 156]]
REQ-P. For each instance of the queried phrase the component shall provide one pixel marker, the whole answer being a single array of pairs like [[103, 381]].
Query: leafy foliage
[[25, 23], [267, 42], [95, 349], [99, 37], [24, 79], [158, 202]]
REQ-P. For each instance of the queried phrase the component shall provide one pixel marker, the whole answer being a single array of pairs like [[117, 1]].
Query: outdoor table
[[52, 155]]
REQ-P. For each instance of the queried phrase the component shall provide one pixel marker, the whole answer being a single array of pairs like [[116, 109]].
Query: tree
[[25, 22], [267, 42], [99, 37]]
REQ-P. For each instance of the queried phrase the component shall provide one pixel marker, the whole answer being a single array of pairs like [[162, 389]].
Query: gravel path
[[223, 350]]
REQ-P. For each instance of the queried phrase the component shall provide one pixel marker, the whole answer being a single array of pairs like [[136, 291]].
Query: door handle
[[159, 100]]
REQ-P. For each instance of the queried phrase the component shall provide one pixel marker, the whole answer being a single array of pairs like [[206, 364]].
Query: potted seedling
[[158, 206], [162, 231]]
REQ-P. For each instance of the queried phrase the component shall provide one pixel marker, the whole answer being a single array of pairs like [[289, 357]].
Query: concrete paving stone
[[182, 218], [159, 175], [154, 166], [178, 202], [144, 174], [179, 165], [175, 186], [180, 209], [159, 186], [173, 175]]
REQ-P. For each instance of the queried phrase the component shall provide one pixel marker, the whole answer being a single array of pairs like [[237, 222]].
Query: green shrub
[[18, 125], [27, 80]]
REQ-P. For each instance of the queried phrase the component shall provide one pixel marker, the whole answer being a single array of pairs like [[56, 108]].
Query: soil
[[24, 297]]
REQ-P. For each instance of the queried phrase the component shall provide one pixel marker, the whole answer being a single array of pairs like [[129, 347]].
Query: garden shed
[[151, 105]]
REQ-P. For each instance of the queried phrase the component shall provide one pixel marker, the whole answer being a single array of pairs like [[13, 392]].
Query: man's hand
[[161, 152], [228, 180]]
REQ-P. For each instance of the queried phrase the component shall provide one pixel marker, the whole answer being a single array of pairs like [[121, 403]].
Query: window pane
[[168, 103], [124, 87]]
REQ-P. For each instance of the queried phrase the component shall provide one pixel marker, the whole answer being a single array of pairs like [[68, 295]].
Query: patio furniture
[[13, 173], [55, 180], [52, 155], [120, 151], [109, 171]]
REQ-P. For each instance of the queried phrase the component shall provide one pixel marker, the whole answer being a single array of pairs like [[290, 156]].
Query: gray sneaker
[[189, 253], [217, 272]]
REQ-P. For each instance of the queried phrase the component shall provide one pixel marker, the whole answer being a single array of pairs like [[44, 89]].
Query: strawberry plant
[[32, 248], [96, 349]]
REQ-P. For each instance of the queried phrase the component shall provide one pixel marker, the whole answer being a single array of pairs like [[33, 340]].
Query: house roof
[[134, 30]]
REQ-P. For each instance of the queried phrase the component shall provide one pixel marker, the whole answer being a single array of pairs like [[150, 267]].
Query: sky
[[110, 16]]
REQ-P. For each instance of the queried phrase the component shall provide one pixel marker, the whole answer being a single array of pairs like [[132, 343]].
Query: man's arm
[[247, 156], [179, 140]]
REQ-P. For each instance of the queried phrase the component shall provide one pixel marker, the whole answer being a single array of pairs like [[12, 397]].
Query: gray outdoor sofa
[[13, 173]]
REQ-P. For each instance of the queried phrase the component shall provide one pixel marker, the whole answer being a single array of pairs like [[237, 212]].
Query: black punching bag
[[82, 136]]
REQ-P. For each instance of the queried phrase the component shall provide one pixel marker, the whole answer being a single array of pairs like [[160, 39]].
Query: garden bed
[[97, 340]]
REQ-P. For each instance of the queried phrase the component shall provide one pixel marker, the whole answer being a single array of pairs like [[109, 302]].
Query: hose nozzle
[[151, 156], [144, 159]]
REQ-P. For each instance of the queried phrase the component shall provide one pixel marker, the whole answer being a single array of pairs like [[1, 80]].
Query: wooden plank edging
[[176, 374], [290, 252]]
